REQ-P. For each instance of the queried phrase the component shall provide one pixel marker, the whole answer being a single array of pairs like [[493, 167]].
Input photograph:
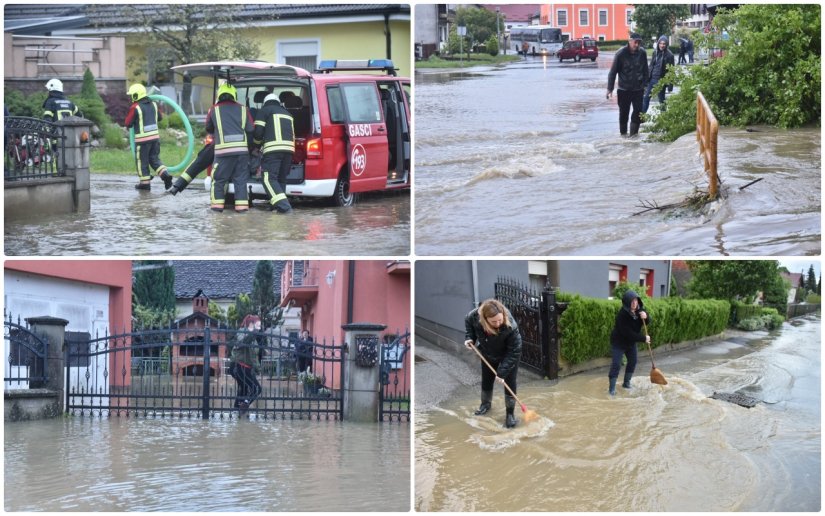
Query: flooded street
[[650, 448], [125, 222], [120, 464], [537, 158]]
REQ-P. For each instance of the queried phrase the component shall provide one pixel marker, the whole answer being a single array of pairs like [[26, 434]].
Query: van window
[[336, 105], [363, 105]]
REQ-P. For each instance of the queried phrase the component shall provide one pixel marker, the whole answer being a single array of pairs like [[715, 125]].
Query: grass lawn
[[474, 60], [122, 162]]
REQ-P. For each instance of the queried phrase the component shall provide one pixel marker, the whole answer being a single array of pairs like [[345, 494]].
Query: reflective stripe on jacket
[[275, 128], [57, 107], [144, 116], [229, 122]]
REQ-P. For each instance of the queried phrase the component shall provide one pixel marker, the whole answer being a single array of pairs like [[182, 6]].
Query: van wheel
[[577, 59], [593, 59], [342, 196], [560, 59]]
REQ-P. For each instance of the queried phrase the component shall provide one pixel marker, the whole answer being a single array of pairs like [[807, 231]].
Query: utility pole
[[498, 28]]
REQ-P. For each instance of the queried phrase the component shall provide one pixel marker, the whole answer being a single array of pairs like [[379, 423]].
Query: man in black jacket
[[661, 61], [630, 64], [493, 330], [275, 132]]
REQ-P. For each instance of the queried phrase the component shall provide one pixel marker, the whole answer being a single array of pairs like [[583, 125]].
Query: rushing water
[[652, 448], [527, 160], [124, 221], [120, 464]]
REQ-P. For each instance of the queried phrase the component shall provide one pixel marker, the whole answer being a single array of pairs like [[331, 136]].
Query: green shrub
[[19, 104], [172, 121], [587, 323], [751, 324], [90, 102], [813, 299], [113, 137], [623, 286], [492, 46]]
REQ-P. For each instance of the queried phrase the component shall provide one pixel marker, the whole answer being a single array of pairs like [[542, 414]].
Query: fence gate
[[34, 148], [185, 372], [25, 364], [394, 397], [537, 315]]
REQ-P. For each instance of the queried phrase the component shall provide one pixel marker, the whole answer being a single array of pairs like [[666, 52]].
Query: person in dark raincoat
[[630, 65], [627, 331], [661, 61]]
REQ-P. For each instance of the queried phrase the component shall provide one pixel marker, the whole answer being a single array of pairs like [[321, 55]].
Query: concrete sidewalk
[[439, 373]]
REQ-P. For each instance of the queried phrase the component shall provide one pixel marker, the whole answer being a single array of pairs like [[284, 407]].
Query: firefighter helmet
[[272, 96], [227, 88], [55, 85], [136, 92]]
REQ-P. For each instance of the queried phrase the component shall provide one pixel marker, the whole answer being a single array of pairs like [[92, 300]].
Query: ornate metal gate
[[34, 148], [25, 364], [394, 398], [187, 372], [537, 315]]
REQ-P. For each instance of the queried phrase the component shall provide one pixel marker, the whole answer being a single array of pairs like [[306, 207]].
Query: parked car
[[578, 49], [352, 130]]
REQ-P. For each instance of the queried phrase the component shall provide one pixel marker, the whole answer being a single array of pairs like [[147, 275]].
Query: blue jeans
[[646, 100], [617, 352]]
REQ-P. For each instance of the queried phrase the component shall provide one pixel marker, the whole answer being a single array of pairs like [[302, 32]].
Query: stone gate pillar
[[78, 136], [361, 371], [53, 330]]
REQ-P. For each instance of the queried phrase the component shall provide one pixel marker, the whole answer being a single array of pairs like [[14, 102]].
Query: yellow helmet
[[136, 92], [228, 88]]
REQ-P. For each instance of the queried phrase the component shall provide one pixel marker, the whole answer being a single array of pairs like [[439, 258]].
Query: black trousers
[[147, 154], [627, 98], [488, 379], [248, 387], [276, 166]]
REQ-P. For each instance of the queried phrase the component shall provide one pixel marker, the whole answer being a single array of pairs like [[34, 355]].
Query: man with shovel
[[491, 331], [627, 331]]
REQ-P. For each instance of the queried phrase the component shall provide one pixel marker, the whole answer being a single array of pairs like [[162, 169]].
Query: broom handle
[[649, 349], [513, 394]]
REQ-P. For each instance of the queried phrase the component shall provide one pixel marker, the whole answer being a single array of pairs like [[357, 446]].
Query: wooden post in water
[[707, 134]]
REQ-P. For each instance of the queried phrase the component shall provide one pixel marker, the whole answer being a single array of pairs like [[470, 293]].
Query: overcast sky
[[802, 264]]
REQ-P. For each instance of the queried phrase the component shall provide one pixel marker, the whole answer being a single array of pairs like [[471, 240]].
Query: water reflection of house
[[187, 349]]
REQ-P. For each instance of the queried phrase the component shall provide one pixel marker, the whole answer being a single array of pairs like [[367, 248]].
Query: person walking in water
[[630, 64], [660, 63], [627, 331], [244, 363], [493, 331]]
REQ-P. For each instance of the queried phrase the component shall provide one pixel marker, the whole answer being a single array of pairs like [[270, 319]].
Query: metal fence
[[35, 149], [537, 315], [189, 373], [25, 353], [798, 309], [395, 399]]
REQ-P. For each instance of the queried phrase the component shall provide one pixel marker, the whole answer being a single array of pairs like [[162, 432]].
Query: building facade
[[595, 21]]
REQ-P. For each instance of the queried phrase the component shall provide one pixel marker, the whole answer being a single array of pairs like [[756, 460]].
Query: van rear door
[[366, 132]]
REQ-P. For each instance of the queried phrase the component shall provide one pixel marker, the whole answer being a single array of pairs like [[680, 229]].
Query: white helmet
[[271, 96], [55, 85]]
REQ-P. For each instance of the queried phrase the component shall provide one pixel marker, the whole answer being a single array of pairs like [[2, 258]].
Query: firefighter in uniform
[[275, 129], [231, 126], [144, 116], [57, 106]]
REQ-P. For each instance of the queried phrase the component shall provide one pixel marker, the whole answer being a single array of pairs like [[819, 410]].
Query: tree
[[654, 20], [153, 285], [263, 292], [810, 281], [731, 279], [623, 286], [190, 33], [480, 23], [215, 311], [775, 293], [770, 72]]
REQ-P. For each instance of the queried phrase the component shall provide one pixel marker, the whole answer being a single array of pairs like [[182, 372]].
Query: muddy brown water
[[126, 222], [652, 448], [531, 152], [128, 464]]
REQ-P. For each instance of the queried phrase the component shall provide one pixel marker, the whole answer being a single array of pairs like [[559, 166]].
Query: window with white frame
[[628, 14], [561, 17], [301, 53], [602, 17], [584, 17], [602, 37]]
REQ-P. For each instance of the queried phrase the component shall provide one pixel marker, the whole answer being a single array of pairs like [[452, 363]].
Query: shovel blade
[[657, 377]]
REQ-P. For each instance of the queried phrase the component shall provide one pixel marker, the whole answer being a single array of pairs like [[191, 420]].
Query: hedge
[[586, 324], [742, 311]]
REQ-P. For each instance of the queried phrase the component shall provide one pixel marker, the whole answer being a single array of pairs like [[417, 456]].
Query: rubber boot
[[178, 186], [166, 177], [486, 403], [626, 383], [634, 129], [612, 389], [510, 419], [143, 185]]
